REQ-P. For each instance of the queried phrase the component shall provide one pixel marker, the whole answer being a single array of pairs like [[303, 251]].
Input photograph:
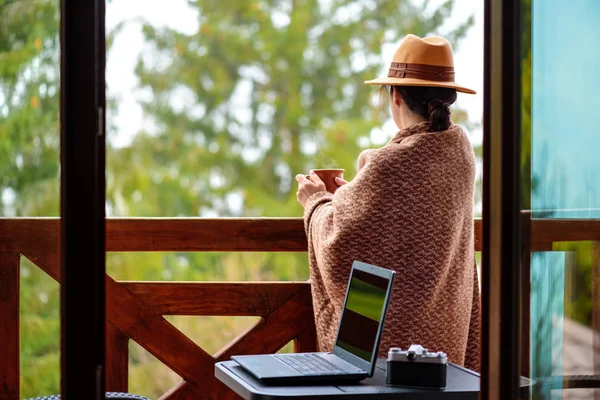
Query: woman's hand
[[307, 186], [340, 182]]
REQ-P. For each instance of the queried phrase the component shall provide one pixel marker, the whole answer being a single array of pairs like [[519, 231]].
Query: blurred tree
[[29, 107], [263, 90]]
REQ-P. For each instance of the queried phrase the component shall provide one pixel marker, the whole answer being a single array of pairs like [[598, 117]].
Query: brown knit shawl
[[410, 209]]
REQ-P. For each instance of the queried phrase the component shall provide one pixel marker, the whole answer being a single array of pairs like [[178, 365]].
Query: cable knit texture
[[410, 209]]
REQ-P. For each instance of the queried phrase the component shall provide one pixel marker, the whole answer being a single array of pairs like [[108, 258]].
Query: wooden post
[[117, 360], [306, 342], [9, 326]]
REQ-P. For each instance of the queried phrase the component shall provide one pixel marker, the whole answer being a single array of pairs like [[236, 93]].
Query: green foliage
[[528, 182], [269, 89], [29, 106], [263, 90], [578, 280]]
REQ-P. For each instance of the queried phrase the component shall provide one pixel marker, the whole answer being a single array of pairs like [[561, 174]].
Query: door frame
[[501, 255], [82, 177]]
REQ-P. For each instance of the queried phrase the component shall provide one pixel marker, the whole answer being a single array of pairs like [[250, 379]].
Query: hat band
[[421, 71]]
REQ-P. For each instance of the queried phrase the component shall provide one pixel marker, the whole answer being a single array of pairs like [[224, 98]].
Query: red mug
[[328, 177]]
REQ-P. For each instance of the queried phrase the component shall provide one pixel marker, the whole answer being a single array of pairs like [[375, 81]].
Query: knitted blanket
[[410, 209]]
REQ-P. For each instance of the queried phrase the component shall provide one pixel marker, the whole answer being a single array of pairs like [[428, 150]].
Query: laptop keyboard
[[309, 364]]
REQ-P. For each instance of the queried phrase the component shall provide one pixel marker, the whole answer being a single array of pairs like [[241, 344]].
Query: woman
[[410, 209]]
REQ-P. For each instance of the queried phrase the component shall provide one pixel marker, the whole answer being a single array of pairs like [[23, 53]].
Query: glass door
[[560, 84], [541, 258]]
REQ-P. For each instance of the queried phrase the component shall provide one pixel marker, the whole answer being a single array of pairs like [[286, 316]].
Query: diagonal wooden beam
[[49, 262], [182, 391], [275, 331], [268, 335], [215, 298], [151, 331]]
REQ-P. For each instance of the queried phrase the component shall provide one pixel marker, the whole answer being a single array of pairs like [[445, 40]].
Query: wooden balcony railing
[[135, 310]]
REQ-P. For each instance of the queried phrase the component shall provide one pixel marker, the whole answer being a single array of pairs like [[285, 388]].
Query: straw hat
[[422, 62]]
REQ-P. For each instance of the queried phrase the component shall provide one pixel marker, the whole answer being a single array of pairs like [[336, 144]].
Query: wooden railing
[[135, 310]]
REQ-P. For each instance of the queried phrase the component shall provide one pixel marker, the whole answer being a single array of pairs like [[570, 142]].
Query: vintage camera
[[416, 367]]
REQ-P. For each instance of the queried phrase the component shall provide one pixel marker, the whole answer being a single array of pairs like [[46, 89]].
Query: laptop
[[357, 343]]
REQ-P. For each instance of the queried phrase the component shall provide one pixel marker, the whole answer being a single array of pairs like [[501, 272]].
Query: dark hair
[[432, 103]]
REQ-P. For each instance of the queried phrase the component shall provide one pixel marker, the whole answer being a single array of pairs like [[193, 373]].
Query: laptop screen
[[362, 314]]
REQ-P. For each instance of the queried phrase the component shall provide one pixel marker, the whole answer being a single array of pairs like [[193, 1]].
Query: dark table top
[[461, 384]]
